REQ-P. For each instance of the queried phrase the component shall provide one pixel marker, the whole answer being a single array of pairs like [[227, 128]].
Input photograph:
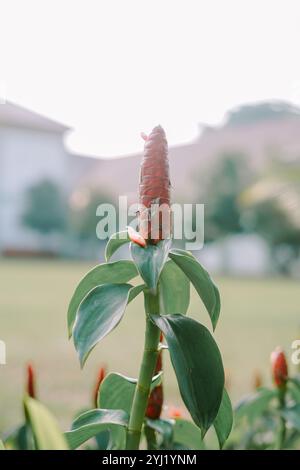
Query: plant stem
[[282, 423], [142, 391]]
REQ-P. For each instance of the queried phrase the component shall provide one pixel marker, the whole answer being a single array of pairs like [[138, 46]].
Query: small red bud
[[257, 380], [100, 378], [135, 237], [279, 368], [155, 403], [30, 386], [156, 398]]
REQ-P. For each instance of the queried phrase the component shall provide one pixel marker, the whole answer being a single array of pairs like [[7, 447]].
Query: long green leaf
[[115, 242], [1, 445], [99, 313], [198, 366], [150, 261], [118, 272], [224, 420], [174, 289], [92, 422], [201, 280], [47, 435]]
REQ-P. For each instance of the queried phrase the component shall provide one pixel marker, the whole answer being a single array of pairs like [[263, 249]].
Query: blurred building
[[31, 150]]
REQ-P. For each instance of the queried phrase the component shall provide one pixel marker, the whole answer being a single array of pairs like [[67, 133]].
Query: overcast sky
[[113, 68]]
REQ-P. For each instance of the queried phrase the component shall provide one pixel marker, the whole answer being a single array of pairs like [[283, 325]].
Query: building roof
[[15, 115]]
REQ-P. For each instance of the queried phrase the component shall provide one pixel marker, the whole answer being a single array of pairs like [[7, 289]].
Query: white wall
[[26, 157]]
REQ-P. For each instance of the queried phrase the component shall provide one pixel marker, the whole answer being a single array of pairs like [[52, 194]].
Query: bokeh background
[[228, 100]]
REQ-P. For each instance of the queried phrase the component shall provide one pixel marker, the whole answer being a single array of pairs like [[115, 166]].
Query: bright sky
[[113, 68]]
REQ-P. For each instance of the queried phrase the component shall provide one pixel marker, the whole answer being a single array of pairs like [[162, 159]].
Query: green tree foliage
[[252, 113], [83, 218], [45, 209], [221, 188]]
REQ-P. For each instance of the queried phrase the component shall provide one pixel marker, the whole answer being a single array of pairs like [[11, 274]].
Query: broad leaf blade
[[117, 272], [150, 261], [198, 366], [117, 391], [115, 242], [224, 420], [92, 422], [174, 289], [201, 280], [99, 313], [46, 432]]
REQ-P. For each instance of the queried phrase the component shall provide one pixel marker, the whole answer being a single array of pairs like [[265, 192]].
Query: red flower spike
[[154, 188], [279, 368], [135, 237], [30, 386], [100, 378]]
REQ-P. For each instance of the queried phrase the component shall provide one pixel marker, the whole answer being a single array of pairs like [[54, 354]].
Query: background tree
[[83, 218], [220, 191], [45, 208]]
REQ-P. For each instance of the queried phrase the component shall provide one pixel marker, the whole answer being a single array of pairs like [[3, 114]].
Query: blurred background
[[79, 81]]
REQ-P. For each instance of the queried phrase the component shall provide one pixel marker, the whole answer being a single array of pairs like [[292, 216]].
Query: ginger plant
[[99, 303]]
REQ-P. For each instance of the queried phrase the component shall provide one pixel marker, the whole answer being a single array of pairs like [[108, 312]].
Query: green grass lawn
[[257, 315]]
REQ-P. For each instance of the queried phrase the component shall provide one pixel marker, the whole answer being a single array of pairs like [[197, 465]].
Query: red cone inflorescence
[[154, 188], [30, 385], [100, 378], [156, 398], [279, 368]]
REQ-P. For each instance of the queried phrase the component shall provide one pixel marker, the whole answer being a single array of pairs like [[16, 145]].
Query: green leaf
[[224, 420], [174, 289], [1, 445], [201, 280], [92, 422], [20, 438], [99, 313], [292, 415], [293, 385], [255, 405], [187, 434], [47, 435], [115, 242], [118, 272], [198, 366], [163, 427], [117, 391], [150, 261]]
